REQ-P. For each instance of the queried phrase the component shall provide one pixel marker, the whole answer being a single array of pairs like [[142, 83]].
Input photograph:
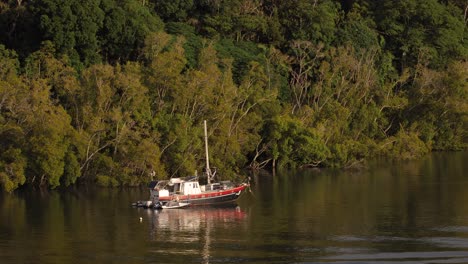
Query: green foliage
[[47, 141], [193, 44], [176, 10], [106, 181], [182, 142], [19, 29], [125, 27], [9, 64], [405, 145], [242, 52], [71, 168], [282, 84], [292, 144], [349, 153], [415, 25], [314, 21], [72, 26], [12, 168], [358, 30], [439, 104]]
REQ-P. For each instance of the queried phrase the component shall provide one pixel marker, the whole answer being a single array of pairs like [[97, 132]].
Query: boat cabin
[[174, 186], [185, 186]]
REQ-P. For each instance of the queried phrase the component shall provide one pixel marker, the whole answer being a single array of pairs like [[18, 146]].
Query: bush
[[106, 181]]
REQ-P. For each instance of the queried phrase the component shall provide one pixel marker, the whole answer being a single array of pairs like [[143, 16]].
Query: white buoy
[[141, 219]]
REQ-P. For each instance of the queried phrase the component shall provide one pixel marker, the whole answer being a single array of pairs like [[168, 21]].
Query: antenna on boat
[[208, 171]]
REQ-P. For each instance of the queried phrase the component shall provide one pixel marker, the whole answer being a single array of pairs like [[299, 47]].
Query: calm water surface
[[405, 212]]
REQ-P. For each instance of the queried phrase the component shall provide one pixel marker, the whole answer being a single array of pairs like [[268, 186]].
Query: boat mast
[[208, 171]]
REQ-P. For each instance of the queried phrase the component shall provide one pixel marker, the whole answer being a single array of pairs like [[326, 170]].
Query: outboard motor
[[154, 192]]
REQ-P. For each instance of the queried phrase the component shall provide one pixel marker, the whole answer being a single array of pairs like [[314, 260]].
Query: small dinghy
[[174, 205], [148, 204], [144, 204]]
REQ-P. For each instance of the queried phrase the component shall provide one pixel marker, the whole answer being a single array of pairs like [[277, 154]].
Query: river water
[[393, 212]]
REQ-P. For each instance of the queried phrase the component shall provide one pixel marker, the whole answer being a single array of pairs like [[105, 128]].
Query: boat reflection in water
[[188, 231], [195, 218]]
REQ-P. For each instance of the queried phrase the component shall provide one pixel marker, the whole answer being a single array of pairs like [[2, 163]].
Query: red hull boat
[[188, 190]]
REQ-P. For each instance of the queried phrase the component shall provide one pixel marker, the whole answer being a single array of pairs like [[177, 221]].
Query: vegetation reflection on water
[[416, 212]]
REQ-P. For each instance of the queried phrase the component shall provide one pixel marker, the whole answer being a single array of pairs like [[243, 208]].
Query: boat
[[148, 204], [189, 190], [174, 205]]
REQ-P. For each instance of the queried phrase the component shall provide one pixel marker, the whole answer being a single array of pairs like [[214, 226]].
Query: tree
[[163, 75], [125, 27], [177, 10], [411, 26], [437, 108], [291, 144], [19, 29], [12, 168], [72, 26], [313, 21], [12, 157], [47, 139], [358, 29]]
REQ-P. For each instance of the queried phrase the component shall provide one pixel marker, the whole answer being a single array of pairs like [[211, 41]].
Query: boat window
[[177, 187]]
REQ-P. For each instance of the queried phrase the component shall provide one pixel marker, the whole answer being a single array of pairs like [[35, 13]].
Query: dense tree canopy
[[115, 92]]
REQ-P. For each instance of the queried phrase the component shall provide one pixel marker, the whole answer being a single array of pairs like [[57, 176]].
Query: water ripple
[[455, 242], [462, 229], [407, 257]]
